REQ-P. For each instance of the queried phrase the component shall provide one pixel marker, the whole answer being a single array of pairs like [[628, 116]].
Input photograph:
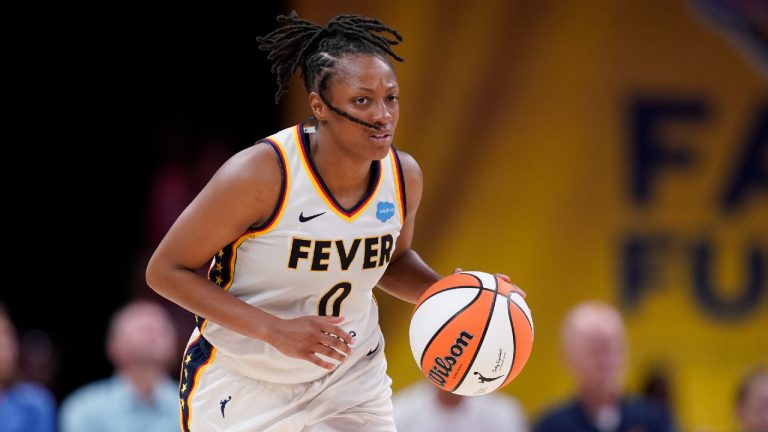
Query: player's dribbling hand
[[306, 337], [503, 277]]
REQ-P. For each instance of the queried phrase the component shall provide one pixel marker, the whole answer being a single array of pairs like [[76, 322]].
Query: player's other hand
[[503, 277], [306, 337]]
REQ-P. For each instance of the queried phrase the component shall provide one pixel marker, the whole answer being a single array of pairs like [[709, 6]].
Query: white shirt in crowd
[[417, 409]]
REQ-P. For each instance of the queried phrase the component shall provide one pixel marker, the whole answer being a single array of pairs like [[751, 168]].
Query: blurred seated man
[[422, 407], [140, 396], [752, 402], [24, 407], [595, 349]]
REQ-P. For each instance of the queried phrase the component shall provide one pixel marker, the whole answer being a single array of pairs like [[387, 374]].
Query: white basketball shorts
[[215, 397]]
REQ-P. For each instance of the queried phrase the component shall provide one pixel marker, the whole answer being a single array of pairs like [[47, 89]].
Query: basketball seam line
[[448, 289], [525, 315], [485, 332], [448, 321], [514, 341]]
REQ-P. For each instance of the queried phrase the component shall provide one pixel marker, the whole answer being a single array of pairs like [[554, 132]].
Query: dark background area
[[101, 103]]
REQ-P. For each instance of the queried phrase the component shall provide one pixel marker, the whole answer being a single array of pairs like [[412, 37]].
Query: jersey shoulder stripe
[[399, 182], [222, 268], [285, 173]]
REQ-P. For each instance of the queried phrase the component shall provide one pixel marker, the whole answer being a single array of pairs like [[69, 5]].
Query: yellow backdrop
[[599, 149]]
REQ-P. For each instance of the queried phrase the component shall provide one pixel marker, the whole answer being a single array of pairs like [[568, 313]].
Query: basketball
[[470, 333]]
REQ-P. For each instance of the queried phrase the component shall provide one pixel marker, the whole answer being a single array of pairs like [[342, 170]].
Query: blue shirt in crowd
[[112, 405], [636, 415], [27, 407]]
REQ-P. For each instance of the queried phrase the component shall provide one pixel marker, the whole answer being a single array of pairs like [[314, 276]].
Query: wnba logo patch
[[384, 210]]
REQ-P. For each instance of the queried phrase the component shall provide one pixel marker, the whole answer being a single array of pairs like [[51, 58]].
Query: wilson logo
[[444, 365]]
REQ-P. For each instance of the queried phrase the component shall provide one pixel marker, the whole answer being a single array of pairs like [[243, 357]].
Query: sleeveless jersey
[[313, 257]]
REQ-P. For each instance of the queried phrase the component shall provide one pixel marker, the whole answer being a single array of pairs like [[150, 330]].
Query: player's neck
[[593, 401], [344, 176]]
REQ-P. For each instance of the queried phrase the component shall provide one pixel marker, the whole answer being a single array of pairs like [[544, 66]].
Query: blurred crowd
[[142, 393]]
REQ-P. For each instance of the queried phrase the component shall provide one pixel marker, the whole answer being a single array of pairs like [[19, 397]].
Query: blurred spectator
[[752, 402], [595, 348], [140, 397], [423, 407], [24, 407]]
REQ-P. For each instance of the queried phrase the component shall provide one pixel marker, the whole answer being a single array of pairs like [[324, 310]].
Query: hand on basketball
[[503, 277], [306, 337]]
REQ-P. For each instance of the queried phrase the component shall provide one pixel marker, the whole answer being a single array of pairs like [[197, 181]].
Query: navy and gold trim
[[221, 273], [347, 214], [400, 179], [197, 358], [222, 270], [283, 186]]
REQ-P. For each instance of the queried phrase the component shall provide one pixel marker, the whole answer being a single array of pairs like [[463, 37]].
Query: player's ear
[[319, 110]]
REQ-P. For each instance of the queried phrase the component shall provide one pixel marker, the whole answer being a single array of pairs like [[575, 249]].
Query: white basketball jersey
[[313, 257]]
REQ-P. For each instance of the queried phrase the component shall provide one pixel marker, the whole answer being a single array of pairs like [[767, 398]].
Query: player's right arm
[[242, 193]]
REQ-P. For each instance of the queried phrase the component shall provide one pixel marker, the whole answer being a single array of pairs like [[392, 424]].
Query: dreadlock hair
[[318, 50]]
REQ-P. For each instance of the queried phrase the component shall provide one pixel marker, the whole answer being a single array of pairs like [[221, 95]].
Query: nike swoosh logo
[[303, 219], [373, 350]]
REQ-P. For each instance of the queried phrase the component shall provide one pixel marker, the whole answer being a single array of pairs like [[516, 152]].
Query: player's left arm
[[408, 276]]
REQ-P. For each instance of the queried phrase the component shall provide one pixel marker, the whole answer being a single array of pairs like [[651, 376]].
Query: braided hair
[[318, 50]]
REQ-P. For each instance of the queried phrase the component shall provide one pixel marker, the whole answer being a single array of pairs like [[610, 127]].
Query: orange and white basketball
[[470, 333]]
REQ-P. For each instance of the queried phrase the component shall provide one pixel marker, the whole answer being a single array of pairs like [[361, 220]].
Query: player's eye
[[360, 100], [393, 98]]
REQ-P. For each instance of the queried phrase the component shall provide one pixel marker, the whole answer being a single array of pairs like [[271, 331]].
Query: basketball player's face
[[365, 87]]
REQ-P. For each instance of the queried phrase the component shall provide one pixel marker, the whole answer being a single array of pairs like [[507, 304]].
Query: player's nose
[[381, 114]]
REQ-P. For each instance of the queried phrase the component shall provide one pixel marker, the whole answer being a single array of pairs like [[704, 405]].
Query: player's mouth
[[380, 138]]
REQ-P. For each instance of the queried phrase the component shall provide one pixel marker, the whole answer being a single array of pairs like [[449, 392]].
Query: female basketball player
[[301, 227]]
